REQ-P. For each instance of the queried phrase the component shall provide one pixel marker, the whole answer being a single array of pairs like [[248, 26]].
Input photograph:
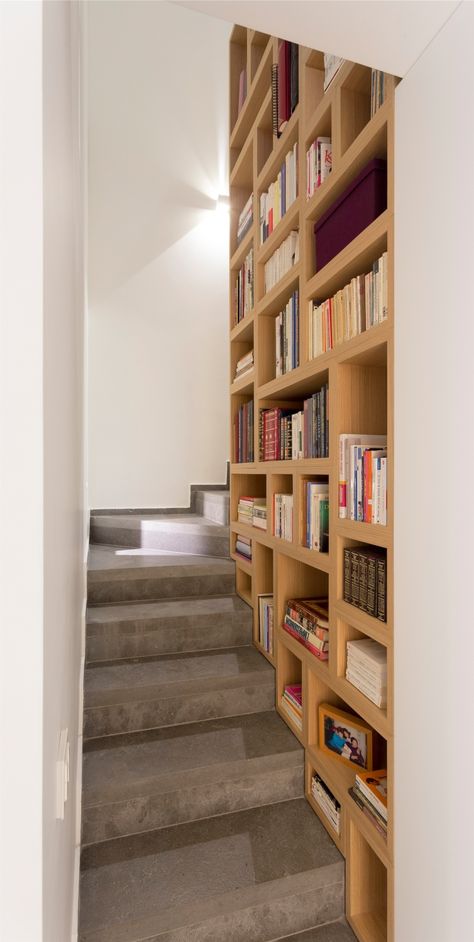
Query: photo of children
[[350, 743]]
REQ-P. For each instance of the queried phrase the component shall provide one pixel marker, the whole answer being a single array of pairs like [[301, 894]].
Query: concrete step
[[144, 781], [138, 629], [214, 505], [127, 575], [178, 688], [251, 876], [331, 932], [174, 533]]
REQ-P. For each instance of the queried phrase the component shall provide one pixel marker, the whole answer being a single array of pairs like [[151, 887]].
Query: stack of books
[[286, 434], [284, 85], [377, 91], [357, 307], [265, 622], [259, 514], [318, 164], [365, 579], [307, 620], [287, 255], [287, 334], [243, 547], [283, 516], [247, 507], [280, 195], [370, 794], [316, 510], [244, 365], [292, 704], [243, 433], [243, 289], [363, 478], [326, 801], [245, 219], [332, 64], [367, 669]]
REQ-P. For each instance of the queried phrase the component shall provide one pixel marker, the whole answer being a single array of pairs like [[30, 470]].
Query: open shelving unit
[[359, 373]]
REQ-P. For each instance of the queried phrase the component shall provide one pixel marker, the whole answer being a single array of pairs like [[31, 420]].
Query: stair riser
[[101, 591], [194, 544], [265, 921], [103, 822], [153, 714], [215, 510], [176, 636]]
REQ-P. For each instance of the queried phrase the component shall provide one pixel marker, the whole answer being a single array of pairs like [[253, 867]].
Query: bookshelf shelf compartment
[[243, 583], [289, 671], [243, 122], [243, 331], [281, 146], [366, 886], [337, 835], [351, 261], [288, 222]]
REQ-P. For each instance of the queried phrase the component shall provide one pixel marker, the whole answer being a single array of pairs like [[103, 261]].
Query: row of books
[[365, 580], [287, 346], [243, 432], [265, 622], [283, 516], [292, 704], [280, 195], [244, 298], [250, 510], [244, 365], [366, 669], [243, 547], [285, 88], [245, 219], [282, 260], [370, 794], [307, 620], [318, 164], [285, 434], [326, 801], [361, 304], [316, 515], [377, 91], [363, 478]]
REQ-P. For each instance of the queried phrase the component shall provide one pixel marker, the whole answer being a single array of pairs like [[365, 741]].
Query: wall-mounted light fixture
[[222, 203]]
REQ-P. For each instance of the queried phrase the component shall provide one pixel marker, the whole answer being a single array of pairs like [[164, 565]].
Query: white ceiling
[[385, 34]]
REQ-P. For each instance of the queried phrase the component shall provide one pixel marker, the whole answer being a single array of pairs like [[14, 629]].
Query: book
[[352, 449], [283, 516], [245, 219], [366, 669], [281, 194], [287, 337], [377, 91], [291, 703], [371, 562], [332, 64], [307, 620], [316, 515], [318, 164], [373, 786], [282, 260], [243, 433], [368, 811], [244, 289], [265, 622], [326, 801], [288, 434]]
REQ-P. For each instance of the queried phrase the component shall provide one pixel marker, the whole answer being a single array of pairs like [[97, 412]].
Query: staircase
[[195, 828]]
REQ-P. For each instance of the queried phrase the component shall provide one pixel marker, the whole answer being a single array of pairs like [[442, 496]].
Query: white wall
[[41, 392], [158, 253], [434, 559]]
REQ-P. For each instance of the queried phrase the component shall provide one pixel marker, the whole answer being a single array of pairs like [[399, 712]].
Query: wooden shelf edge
[[243, 248], [242, 563], [372, 533], [275, 296], [287, 222], [244, 383], [241, 329], [361, 621]]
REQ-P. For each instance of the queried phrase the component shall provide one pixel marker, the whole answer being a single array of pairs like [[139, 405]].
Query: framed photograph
[[345, 737]]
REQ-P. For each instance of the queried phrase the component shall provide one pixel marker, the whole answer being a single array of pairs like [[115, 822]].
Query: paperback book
[[283, 516], [265, 622], [287, 352], [307, 620], [363, 478], [316, 515], [280, 195], [366, 669], [292, 704], [326, 801], [282, 260]]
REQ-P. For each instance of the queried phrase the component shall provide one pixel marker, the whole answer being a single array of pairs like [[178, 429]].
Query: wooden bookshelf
[[359, 373]]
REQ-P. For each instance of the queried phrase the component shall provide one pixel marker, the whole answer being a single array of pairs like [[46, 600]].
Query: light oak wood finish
[[360, 377]]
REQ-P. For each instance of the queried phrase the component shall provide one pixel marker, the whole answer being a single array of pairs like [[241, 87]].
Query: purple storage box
[[363, 200]]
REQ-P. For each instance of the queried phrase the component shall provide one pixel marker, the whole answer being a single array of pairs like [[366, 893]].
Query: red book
[[284, 105]]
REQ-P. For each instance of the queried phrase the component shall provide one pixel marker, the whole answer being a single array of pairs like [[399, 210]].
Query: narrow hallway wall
[[158, 252]]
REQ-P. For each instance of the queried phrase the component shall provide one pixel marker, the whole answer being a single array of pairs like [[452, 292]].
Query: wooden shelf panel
[[256, 91], [282, 145], [244, 384], [320, 668], [291, 220], [244, 329], [278, 296], [372, 533], [372, 627], [242, 249], [369, 927], [245, 565]]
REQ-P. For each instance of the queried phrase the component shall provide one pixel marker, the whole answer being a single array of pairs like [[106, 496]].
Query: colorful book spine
[[282, 260], [366, 568], [244, 289], [285, 434], [281, 194], [244, 433], [287, 337]]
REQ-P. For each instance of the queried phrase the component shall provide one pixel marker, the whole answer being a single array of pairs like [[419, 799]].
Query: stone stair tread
[[111, 561], [138, 614], [147, 885], [331, 932], [173, 674], [162, 760], [134, 521]]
